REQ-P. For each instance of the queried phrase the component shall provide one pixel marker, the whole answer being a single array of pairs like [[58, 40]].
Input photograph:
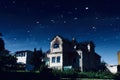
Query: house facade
[[23, 57], [65, 54]]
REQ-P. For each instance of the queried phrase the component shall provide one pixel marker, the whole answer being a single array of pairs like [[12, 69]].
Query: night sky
[[29, 24]]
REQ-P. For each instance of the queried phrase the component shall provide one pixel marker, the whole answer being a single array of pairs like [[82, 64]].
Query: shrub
[[117, 76], [74, 74]]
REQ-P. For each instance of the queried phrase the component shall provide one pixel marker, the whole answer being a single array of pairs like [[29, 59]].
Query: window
[[23, 54], [58, 59], [53, 59], [19, 54], [56, 45]]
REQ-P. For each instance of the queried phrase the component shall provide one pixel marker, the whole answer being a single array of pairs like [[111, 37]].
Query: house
[[112, 68], [65, 54], [23, 58]]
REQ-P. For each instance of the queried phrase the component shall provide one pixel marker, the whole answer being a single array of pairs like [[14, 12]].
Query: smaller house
[[23, 58], [112, 68]]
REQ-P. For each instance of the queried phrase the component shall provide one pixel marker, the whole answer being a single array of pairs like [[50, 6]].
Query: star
[[53, 21], [94, 28], [86, 8], [28, 31], [96, 18], [37, 22], [64, 22], [76, 8], [75, 18]]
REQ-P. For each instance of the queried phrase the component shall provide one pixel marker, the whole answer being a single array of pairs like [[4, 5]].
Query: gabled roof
[[97, 55], [63, 39], [83, 45], [80, 45]]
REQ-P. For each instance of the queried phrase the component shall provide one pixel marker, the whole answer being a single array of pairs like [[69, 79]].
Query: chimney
[[118, 57]]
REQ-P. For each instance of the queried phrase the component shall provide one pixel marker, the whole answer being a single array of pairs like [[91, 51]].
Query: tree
[[2, 44], [7, 61], [103, 67], [36, 60]]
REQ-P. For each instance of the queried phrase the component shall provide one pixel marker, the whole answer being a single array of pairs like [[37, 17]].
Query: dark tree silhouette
[[7, 61], [2, 44], [36, 60], [103, 68]]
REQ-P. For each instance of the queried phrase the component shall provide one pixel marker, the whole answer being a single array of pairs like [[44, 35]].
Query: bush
[[74, 74], [117, 76], [99, 75]]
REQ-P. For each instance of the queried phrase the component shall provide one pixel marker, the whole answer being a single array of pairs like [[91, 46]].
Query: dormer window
[[56, 45]]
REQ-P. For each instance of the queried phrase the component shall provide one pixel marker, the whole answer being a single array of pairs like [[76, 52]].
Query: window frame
[[56, 45], [58, 59], [53, 59]]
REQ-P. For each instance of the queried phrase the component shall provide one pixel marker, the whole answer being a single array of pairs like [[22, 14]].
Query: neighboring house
[[23, 57], [112, 68], [65, 54]]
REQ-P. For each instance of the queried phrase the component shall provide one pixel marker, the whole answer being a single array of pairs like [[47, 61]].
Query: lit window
[[56, 45], [58, 59], [53, 59]]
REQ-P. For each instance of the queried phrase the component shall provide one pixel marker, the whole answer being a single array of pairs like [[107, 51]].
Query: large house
[[65, 54]]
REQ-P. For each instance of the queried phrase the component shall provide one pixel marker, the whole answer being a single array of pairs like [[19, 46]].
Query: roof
[[23, 51], [79, 45], [97, 55]]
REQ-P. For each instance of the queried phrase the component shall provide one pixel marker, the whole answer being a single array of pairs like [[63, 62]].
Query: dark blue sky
[[26, 24]]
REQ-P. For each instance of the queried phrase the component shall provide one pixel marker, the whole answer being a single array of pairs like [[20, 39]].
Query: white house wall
[[112, 68], [21, 59], [80, 59], [56, 50], [55, 65]]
